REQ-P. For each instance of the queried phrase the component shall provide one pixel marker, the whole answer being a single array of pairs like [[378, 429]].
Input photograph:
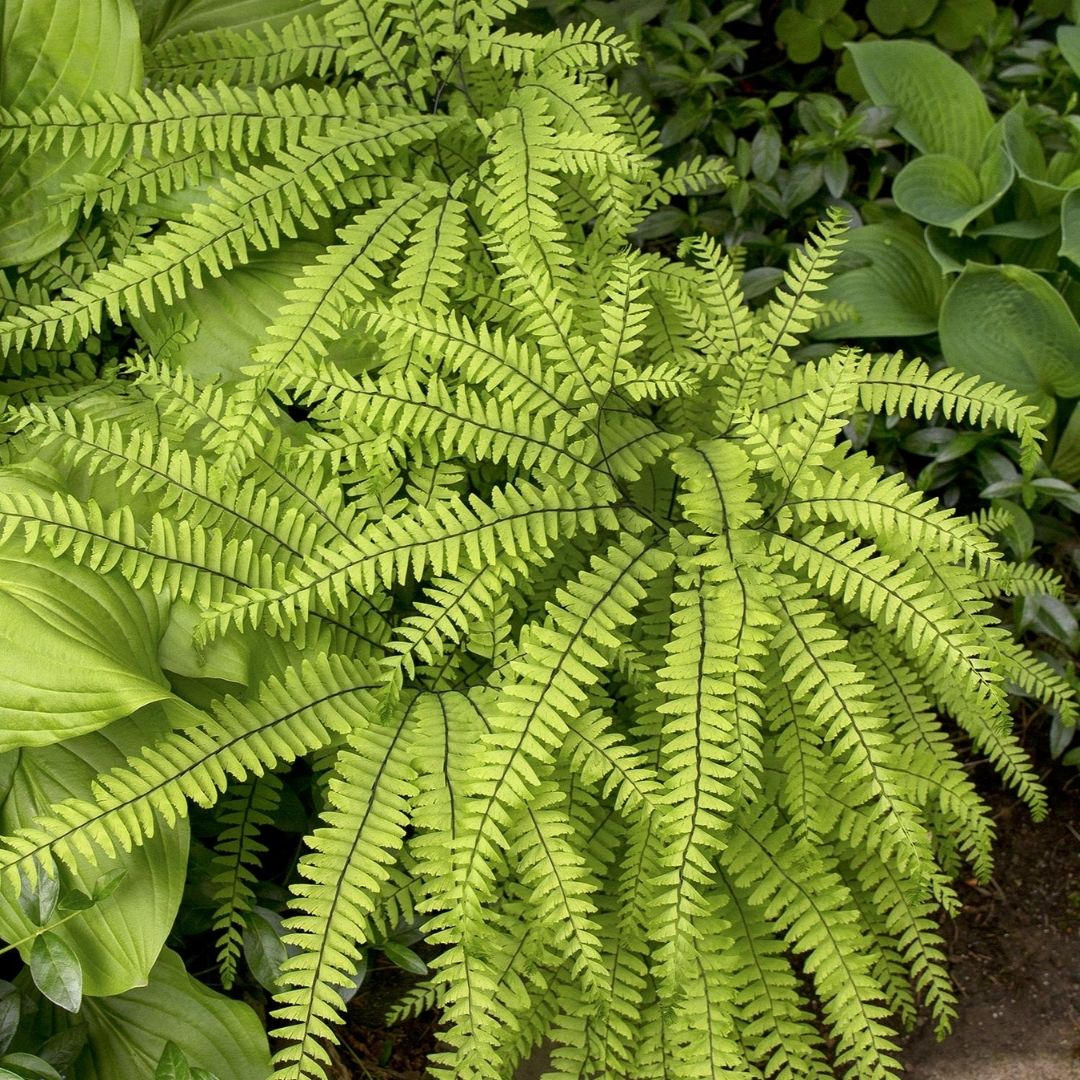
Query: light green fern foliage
[[620, 667]]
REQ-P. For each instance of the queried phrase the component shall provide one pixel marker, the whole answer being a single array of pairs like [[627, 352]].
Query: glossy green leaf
[[118, 938], [403, 957], [56, 50], [264, 948], [1007, 324], [38, 898], [894, 287], [172, 1065], [56, 971], [77, 649], [940, 108]]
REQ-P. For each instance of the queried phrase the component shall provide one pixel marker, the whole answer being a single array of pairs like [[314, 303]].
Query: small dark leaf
[[63, 1049], [403, 957], [56, 971], [264, 950], [27, 1067], [10, 1012], [37, 899], [172, 1065], [108, 883], [76, 900]]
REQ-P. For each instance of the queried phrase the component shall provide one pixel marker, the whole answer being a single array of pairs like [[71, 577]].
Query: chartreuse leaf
[[77, 649], [163, 19], [56, 50], [123, 908], [1032, 341], [128, 1033], [940, 108], [894, 286]]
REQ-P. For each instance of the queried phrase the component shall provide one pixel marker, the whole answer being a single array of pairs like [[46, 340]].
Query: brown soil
[[1015, 955]]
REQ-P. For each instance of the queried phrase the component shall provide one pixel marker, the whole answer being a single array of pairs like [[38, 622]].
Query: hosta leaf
[[128, 1032], [163, 19], [77, 649], [56, 50], [118, 938], [232, 311], [1032, 343], [940, 108], [894, 288]]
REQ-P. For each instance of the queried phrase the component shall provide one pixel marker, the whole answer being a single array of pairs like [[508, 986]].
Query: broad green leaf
[[128, 1032], [54, 50], [1068, 39], [1066, 460], [168, 18], [940, 108], [118, 938], [77, 649], [1008, 325], [56, 971], [940, 190], [1070, 226], [894, 288]]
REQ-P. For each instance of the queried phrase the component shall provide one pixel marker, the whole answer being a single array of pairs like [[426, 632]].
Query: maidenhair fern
[[617, 665]]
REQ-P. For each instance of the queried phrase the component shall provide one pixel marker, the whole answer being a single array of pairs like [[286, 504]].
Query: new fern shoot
[[617, 667]]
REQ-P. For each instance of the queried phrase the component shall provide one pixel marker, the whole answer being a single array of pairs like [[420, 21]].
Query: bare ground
[[1015, 956]]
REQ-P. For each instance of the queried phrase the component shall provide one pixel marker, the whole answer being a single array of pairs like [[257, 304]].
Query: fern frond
[[361, 831], [304, 46], [320, 699], [238, 849]]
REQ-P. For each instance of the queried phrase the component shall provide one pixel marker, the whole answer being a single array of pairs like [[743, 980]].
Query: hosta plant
[[616, 666]]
